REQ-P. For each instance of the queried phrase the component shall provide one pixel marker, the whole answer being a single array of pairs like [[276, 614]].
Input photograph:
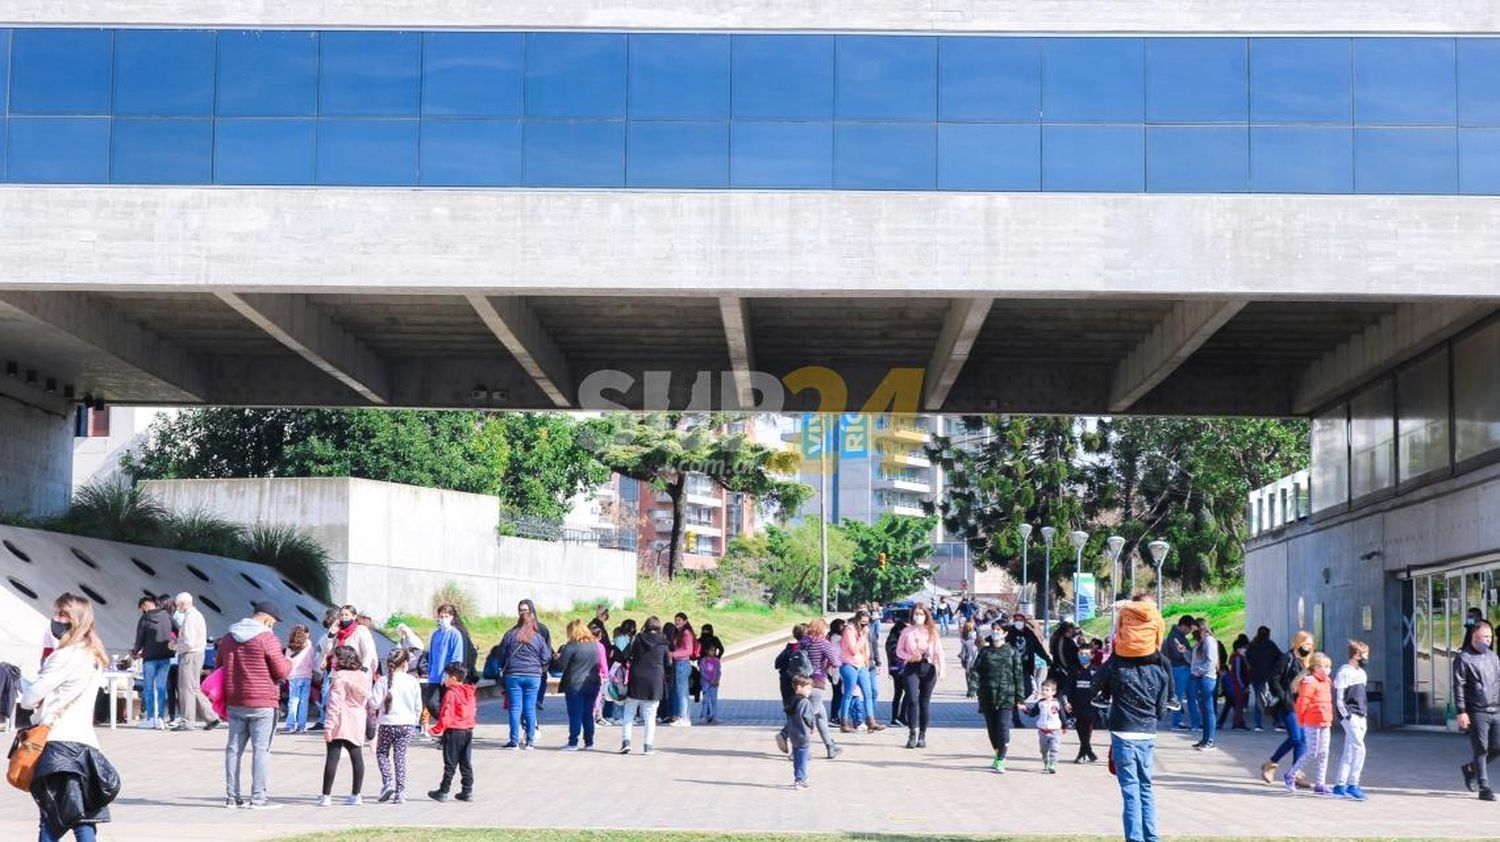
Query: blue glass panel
[[4, 69], [588, 154], [60, 71], [162, 152], [264, 151], [1197, 80], [164, 73], [886, 77], [59, 150], [1106, 159], [1405, 161], [989, 156], [989, 79], [1300, 80], [677, 154], [575, 75], [783, 77], [1301, 159], [471, 153], [781, 154], [1479, 161], [1405, 81], [876, 156], [1093, 80], [1479, 81], [679, 76], [268, 74], [472, 74], [4, 143], [367, 152], [370, 74], [1198, 159]]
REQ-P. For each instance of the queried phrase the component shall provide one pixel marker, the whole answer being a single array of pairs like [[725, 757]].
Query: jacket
[[1001, 678], [361, 640], [1282, 682], [854, 648], [1263, 656], [874, 646], [1175, 637], [1349, 691], [1203, 659], [254, 666], [1139, 629], [1476, 681], [1031, 648], [1137, 693], [824, 657], [968, 650], [153, 635], [801, 721], [63, 695], [1078, 688], [405, 695], [347, 709], [917, 643], [1315, 701], [579, 663], [893, 663], [517, 658], [193, 636], [650, 661], [446, 646], [457, 711], [73, 784]]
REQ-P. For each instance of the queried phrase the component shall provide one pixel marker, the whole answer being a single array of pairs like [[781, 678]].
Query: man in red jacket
[[254, 667]]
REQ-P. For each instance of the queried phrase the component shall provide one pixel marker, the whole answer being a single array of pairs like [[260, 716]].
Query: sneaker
[[587, 747], [1289, 782], [325, 800], [800, 785], [1486, 795], [625, 747], [1199, 744], [1174, 705], [438, 795], [386, 795], [399, 799], [647, 749], [145, 724], [1050, 769], [569, 747], [1258, 729], [233, 803], [353, 800], [781, 743], [1340, 791], [1080, 760], [834, 751], [511, 746], [1353, 792], [263, 805], [1320, 789], [465, 795], [998, 766], [1469, 775], [1208, 746], [214, 723], [527, 746], [922, 741]]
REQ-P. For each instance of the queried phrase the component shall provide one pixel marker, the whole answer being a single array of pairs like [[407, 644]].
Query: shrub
[[453, 592], [114, 512], [203, 532], [291, 552]]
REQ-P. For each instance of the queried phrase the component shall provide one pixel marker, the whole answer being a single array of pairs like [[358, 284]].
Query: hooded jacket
[[1001, 678], [1263, 655], [457, 711], [254, 665], [73, 784], [1315, 701], [153, 635], [650, 661]]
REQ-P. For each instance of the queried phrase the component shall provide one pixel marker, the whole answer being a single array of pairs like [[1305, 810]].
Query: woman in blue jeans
[[524, 658], [684, 650], [1282, 683], [579, 662]]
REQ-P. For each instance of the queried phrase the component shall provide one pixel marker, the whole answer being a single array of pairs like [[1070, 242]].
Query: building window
[[1371, 440], [1422, 407], [1476, 392], [1330, 458]]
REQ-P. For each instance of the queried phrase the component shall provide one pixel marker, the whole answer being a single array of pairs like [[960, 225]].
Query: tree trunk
[[677, 490]]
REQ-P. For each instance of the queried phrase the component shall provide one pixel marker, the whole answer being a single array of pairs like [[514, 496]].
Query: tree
[[788, 562], [549, 463], [885, 556]]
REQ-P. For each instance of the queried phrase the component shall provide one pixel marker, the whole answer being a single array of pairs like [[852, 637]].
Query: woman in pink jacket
[[921, 650], [854, 671], [344, 719]]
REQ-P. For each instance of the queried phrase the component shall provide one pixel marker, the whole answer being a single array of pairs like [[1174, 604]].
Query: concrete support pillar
[[36, 459]]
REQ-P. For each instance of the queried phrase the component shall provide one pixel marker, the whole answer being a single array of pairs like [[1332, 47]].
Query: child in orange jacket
[[455, 726], [1314, 708]]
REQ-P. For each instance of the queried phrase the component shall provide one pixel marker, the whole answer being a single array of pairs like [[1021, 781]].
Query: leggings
[[898, 697], [331, 765], [997, 723], [392, 741], [920, 678], [1296, 740]]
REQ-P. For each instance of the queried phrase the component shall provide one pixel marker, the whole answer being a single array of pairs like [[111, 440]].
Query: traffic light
[[692, 542], [883, 560]]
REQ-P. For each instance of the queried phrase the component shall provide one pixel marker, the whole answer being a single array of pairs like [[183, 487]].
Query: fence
[[544, 529]]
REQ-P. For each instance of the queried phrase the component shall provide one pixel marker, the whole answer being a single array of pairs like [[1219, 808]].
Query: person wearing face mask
[[192, 640], [254, 667], [618, 656], [1315, 714], [1476, 694], [1001, 686], [1079, 690], [1472, 618], [1282, 684], [1203, 667], [347, 631], [921, 649], [1024, 638], [446, 646], [1349, 697]]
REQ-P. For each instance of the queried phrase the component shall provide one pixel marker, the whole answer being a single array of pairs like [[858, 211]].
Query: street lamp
[[1159, 550], [1078, 538], [1025, 542], [1115, 544], [1047, 534]]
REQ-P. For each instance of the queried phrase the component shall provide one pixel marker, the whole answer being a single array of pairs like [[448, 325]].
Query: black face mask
[[61, 629], [344, 624], [1362, 662], [1304, 652]]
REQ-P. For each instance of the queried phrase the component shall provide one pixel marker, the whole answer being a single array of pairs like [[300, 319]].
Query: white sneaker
[[353, 800], [569, 748], [146, 724], [325, 801]]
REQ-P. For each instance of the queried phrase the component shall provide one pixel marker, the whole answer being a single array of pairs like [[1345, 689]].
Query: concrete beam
[[519, 330], [94, 324], [736, 316], [960, 328], [301, 326], [1171, 342], [1406, 333]]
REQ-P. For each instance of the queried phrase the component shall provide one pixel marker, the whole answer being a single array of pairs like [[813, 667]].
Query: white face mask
[[179, 617], [445, 621], [1018, 626]]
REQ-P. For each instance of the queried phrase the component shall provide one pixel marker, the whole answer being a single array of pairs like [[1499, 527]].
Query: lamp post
[[1047, 535], [1115, 544], [1025, 542], [1078, 538], [1159, 550]]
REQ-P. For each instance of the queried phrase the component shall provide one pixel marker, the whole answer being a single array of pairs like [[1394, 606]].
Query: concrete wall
[[392, 546], [36, 459]]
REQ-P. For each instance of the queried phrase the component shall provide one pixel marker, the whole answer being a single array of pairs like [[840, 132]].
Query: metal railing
[[544, 529]]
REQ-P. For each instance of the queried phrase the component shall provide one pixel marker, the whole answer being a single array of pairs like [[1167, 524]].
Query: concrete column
[[36, 459]]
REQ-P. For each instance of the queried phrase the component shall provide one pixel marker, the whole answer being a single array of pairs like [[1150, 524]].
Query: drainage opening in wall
[[308, 614], [21, 586], [210, 603], [93, 594], [16, 552], [144, 567], [147, 592], [296, 590], [196, 572], [253, 583], [83, 557]]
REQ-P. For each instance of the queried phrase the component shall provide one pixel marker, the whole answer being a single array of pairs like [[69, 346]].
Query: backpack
[[492, 664], [797, 663], [619, 683]]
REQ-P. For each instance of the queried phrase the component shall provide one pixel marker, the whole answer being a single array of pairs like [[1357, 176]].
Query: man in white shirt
[[192, 640]]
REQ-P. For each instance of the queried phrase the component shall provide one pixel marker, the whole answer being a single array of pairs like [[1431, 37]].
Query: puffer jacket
[[1001, 678], [254, 665], [73, 784], [1315, 701]]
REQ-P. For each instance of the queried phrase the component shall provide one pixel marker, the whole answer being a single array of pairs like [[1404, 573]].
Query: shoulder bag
[[26, 749]]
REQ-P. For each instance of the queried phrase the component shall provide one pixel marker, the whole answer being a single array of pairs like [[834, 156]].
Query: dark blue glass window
[[60, 71], [588, 154], [59, 150], [1094, 158], [268, 74], [679, 77], [1301, 159], [370, 74], [1197, 80], [570, 75], [472, 74], [367, 152], [159, 151], [783, 77], [1198, 159], [1300, 80], [471, 153], [989, 156], [677, 154], [1094, 80], [164, 73], [884, 156], [1405, 81], [989, 79], [1405, 161], [264, 151], [886, 77], [1479, 82], [781, 154], [4, 70], [1479, 161]]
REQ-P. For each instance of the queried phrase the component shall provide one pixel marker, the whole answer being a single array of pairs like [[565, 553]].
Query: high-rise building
[[876, 464]]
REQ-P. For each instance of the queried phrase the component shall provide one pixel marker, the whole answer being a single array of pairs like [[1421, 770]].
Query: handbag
[[27, 747]]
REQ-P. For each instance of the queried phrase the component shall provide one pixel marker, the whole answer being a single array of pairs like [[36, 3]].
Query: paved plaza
[[730, 777]]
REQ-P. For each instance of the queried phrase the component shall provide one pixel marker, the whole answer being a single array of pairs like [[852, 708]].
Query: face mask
[[179, 617], [445, 622], [919, 619], [1304, 651], [621, 642], [344, 624], [60, 629], [1361, 662], [1084, 658], [1481, 646], [1018, 625]]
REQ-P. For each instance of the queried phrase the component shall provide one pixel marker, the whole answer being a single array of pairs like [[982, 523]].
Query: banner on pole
[[1084, 597]]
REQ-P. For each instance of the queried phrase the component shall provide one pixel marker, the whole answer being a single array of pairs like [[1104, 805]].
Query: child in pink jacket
[[344, 720]]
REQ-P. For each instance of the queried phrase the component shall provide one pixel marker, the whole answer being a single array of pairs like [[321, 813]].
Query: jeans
[[521, 691], [1295, 742], [154, 688], [82, 833], [852, 677], [254, 726], [1204, 687], [1182, 679], [683, 671], [190, 699], [710, 709], [800, 755], [1133, 771], [580, 705], [297, 691], [323, 697], [648, 710], [1255, 692], [1484, 740]]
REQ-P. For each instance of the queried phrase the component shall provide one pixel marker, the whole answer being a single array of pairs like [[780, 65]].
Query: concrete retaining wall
[[36, 459]]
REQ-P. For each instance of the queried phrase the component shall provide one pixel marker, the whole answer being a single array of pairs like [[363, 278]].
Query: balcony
[[903, 433], [903, 509], [907, 459], [901, 483]]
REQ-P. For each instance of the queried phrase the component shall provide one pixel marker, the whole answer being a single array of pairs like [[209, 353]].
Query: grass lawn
[[737, 621], [1225, 612], [477, 834]]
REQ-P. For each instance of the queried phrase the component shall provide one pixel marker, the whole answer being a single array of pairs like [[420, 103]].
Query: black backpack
[[795, 663]]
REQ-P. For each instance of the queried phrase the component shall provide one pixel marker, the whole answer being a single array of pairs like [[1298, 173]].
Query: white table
[[117, 680]]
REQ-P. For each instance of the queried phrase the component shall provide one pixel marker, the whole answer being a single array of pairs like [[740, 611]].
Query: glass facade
[[1438, 604], [713, 110], [1422, 406], [1372, 434], [1476, 398], [1330, 458]]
